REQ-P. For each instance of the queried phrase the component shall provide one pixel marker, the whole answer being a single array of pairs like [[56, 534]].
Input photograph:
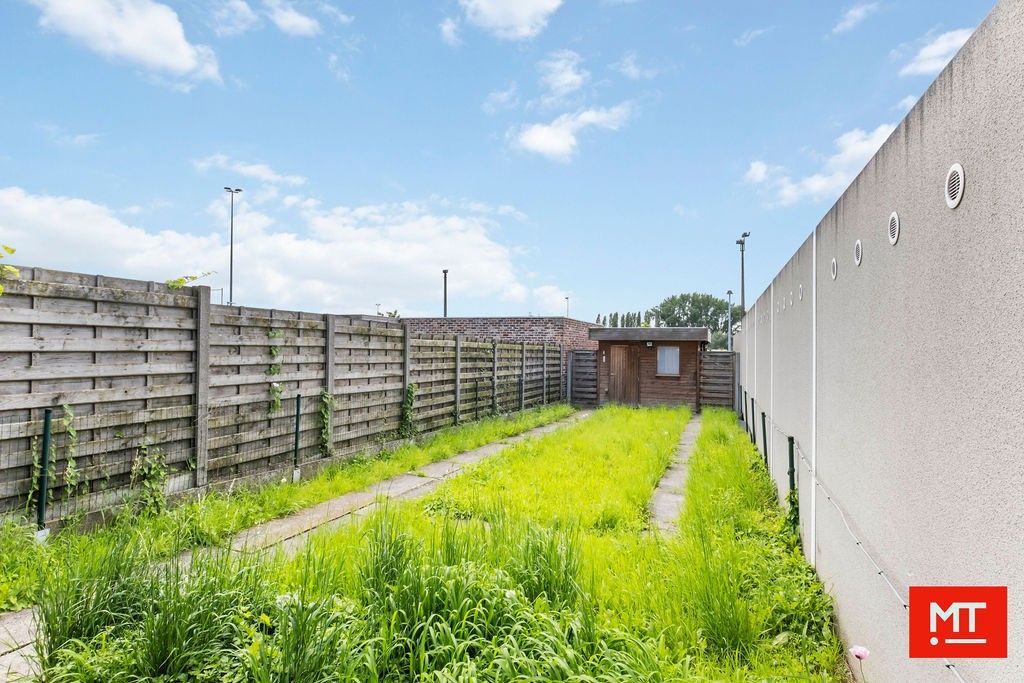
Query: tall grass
[[212, 519], [536, 565]]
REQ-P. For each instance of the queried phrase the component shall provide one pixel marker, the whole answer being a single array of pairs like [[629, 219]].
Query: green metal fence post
[[792, 464], [753, 429], [44, 467], [764, 436]]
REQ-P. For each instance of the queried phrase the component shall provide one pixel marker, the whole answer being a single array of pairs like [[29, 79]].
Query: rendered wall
[[901, 379]]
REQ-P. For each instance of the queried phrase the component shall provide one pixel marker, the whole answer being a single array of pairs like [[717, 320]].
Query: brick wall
[[567, 333], [535, 330]]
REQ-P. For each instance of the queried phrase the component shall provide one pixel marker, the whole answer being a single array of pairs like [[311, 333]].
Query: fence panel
[[718, 378], [583, 378]]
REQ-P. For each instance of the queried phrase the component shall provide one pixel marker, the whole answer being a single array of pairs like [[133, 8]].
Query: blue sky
[[606, 151]]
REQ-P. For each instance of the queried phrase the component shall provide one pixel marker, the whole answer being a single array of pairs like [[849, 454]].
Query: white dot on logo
[[934, 640]]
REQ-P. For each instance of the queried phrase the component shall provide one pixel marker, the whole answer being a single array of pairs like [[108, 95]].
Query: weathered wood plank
[[43, 317]]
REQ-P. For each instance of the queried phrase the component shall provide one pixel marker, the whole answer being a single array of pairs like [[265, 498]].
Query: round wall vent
[[954, 186], [894, 228], [835, 269], [858, 253]]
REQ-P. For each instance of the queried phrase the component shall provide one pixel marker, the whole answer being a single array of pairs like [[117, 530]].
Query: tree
[[7, 272], [699, 310]]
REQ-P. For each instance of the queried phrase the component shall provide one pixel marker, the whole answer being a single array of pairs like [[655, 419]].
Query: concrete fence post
[[330, 325], [544, 369], [561, 372], [522, 380], [202, 375], [568, 379], [494, 377], [406, 358], [458, 378]]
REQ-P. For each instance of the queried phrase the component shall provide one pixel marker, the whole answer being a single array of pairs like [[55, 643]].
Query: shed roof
[[650, 334]]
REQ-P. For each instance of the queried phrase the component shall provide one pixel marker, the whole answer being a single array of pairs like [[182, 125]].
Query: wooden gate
[[582, 375], [718, 378], [624, 378]]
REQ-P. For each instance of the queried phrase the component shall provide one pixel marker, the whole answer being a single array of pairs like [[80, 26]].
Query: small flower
[[510, 594], [285, 599], [860, 652]]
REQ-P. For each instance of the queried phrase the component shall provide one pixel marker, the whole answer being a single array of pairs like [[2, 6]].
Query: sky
[[609, 151]]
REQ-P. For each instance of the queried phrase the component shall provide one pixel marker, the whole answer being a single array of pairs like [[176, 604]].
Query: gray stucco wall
[[913, 412]]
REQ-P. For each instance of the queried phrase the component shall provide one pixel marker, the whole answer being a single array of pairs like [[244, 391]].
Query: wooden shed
[[649, 366]]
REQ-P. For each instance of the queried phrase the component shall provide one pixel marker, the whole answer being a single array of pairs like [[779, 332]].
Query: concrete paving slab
[[667, 502]]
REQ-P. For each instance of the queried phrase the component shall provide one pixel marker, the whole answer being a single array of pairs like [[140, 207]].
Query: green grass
[[212, 519], [534, 565]]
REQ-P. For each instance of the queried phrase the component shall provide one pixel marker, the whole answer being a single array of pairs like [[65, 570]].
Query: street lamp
[[566, 307], [729, 293], [231, 264], [445, 271], [742, 241]]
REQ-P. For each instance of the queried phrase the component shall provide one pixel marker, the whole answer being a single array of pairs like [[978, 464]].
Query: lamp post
[[742, 241], [445, 272], [566, 307], [729, 293], [231, 263]]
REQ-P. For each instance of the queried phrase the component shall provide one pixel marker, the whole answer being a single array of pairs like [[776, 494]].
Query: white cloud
[[558, 140], [335, 13], [261, 172], [629, 66], [339, 70], [339, 259], [561, 74], [510, 19], [450, 31], [757, 173], [907, 103], [934, 56], [290, 20], [549, 300], [501, 99], [233, 18], [750, 36], [59, 136], [142, 32], [854, 149], [854, 16]]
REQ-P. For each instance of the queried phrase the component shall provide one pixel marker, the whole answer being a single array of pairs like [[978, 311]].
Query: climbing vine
[[406, 426], [326, 411], [148, 477], [793, 516], [274, 370], [7, 272], [71, 474]]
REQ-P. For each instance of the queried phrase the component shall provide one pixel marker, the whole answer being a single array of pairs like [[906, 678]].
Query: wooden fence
[[583, 378], [215, 388], [718, 378]]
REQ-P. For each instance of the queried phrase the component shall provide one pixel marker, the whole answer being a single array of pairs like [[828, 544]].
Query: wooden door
[[624, 375]]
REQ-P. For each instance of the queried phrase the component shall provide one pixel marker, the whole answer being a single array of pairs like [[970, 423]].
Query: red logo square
[[961, 622]]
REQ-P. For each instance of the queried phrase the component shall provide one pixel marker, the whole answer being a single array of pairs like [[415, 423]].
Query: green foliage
[[148, 478], [71, 475], [275, 390], [407, 424], [7, 272], [179, 282], [697, 310], [513, 586], [326, 414], [212, 519]]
